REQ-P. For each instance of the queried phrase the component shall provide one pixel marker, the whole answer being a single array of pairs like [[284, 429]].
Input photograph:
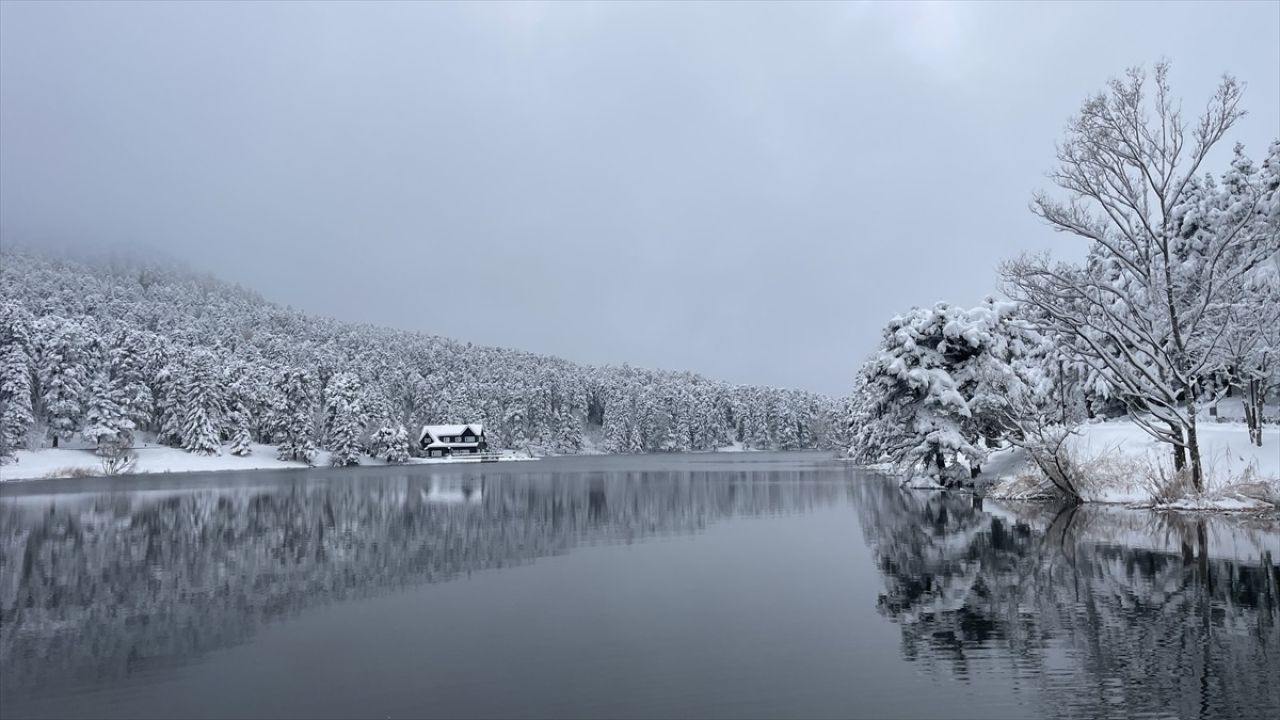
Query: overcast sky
[[747, 191]]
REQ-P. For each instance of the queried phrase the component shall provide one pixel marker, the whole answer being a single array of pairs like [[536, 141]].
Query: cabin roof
[[438, 444], [439, 431]]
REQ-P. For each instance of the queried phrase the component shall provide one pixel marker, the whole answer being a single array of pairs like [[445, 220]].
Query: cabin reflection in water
[[454, 490]]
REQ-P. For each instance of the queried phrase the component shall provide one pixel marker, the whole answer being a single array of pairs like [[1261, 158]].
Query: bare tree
[[1251, 348], [1141, 310]]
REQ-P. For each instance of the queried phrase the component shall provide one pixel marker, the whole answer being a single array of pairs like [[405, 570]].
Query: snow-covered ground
[[1122, 460], [68, 462]]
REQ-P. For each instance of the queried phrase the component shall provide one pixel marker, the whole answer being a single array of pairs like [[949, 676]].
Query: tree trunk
[[1251, 398], [55, 440], [1062, 395], [939, 461], [1179, 456], [1051, 463], [1193, 447], [1179, 358], [1249, 420]]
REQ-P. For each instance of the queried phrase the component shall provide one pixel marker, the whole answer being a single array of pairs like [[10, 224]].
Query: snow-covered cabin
[[446, 440]]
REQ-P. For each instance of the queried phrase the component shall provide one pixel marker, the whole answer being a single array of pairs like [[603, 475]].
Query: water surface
[[759, 585]]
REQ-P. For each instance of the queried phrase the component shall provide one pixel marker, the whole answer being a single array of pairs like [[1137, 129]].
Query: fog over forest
[[746, 194]]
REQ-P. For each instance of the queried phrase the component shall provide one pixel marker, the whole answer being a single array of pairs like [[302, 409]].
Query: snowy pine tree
[[788, 430], [168, 401], [345, 417], [620, 421], [16, 414], [107, 425], [294, 426], [918, 398], [241, 435], [63, 366], [513, 429], [568, 432], [130, 359], [203, 407], [391, 444]]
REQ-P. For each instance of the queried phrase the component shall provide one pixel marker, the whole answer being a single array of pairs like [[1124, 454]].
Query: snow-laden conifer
[[16, 416], [294, 426], [344, 414], [390, 444], [203, 405]]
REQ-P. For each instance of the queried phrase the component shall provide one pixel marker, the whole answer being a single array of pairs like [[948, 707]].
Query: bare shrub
[[69, 472], [1108, 469], [1165, 484], [1046, 445], [1248, 484], [1081, 473], [1226, 489], [1072, 473], [118, 463]]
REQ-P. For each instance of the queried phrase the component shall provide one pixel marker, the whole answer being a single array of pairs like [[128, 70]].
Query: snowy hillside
[[102, 353]]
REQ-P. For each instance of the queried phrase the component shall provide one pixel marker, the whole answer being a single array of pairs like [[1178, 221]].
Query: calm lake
[[751, 585]]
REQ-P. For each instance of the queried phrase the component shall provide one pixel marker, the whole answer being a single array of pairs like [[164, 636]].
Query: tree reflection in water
[[1153, 614], [101, 587], [1083, 612]]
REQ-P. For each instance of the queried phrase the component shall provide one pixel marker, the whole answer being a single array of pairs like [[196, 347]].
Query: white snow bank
[[1230, 502], [63, 462], [1224, 447], [69, 462], [1123, 457]]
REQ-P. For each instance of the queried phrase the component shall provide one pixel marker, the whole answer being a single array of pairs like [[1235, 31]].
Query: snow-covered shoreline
[[52, 463], [1239, 476]]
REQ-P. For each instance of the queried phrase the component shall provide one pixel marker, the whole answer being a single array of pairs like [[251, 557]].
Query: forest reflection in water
[[1075, 612], [1101, 611], [95, 587]]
